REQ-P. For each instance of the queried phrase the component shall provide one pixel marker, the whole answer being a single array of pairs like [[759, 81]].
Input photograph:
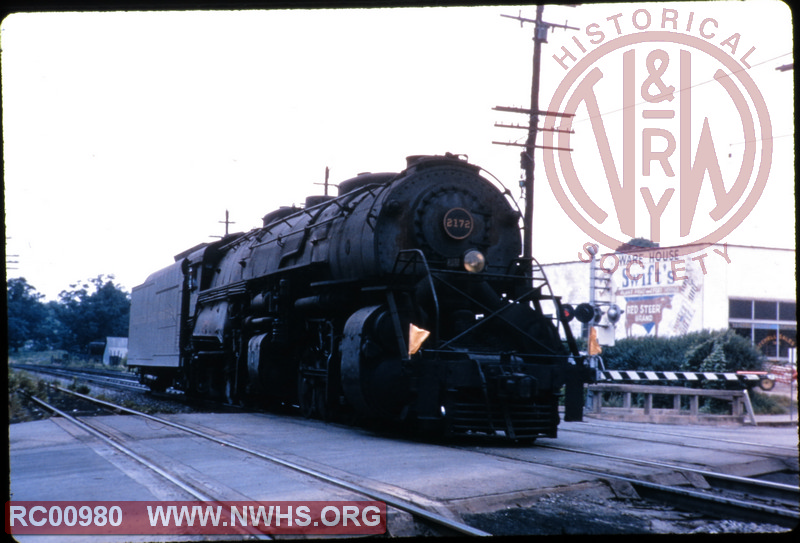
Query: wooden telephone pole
[[527, 162], [326, 184], [227, 222]]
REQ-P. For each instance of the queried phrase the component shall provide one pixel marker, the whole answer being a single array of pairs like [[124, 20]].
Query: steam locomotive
[[402, 299]]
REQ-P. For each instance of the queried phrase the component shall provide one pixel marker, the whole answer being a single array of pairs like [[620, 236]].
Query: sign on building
[[659, 292]]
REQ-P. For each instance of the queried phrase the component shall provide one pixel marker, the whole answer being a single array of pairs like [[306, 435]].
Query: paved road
[[51, 460]]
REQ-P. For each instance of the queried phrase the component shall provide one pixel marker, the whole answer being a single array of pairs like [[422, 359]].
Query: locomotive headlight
[[474, 261]]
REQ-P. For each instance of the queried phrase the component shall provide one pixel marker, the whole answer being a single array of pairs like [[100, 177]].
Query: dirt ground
[[594, 515]]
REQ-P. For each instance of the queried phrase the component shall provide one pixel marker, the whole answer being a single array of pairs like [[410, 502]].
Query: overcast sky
[[128, 135]]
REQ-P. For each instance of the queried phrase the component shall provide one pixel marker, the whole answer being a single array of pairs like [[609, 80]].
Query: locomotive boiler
[[402, 299]]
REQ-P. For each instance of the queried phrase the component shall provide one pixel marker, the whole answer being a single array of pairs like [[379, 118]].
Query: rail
[[738, 399], [439, 516]]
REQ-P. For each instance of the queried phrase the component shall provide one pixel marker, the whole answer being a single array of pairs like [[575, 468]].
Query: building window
[[786, 340], [788, 311], [767, 311], [740, 309], [771, 326]]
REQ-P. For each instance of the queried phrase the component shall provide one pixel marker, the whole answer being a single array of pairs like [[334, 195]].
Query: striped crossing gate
[[763, 379]]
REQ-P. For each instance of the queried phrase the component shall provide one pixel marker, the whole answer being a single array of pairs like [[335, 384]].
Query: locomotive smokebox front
[[440, 206]]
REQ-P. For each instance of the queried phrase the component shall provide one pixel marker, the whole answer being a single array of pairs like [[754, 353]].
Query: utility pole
[[527, 162], [226, 222], [326, 184], [10, 256], [540, 35]]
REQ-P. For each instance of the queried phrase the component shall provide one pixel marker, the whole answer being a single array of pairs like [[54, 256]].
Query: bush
[[79, 387], [717, 351], [21, 381], [705, 351], [769, 404]]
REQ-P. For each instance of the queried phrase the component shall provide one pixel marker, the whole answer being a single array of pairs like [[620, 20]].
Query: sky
[[127, 135]]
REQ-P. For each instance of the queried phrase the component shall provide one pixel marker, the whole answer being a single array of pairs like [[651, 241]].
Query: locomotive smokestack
[[413, 159]]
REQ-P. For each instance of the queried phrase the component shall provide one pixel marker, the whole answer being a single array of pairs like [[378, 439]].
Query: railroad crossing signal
[[584, 313], [601, 325]]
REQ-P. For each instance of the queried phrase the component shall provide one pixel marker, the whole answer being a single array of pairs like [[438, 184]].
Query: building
[[674, 290], [116, 351]]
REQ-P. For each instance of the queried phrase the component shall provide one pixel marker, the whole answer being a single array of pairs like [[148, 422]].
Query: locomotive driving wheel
[[372, 374]]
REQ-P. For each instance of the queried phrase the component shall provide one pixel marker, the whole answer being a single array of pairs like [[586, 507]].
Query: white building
[[674, 290], [116, 350]]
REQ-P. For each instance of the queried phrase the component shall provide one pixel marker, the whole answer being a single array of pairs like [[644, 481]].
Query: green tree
[[723, 351], [636, 244], [92, 311], [27, 314]]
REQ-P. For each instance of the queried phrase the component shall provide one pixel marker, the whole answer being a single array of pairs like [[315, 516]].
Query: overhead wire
[[603, 114]]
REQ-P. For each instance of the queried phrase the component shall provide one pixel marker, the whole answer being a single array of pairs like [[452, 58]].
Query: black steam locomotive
[[402, 299]]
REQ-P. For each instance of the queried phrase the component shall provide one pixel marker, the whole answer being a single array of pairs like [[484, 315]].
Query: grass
[[21, 383], [61, 359], [769, 404]]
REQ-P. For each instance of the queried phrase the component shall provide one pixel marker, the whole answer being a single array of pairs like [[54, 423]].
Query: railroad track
[[785, 495], [645, 434], [108, 379], [716, 494], [744, 498], [422, 508]]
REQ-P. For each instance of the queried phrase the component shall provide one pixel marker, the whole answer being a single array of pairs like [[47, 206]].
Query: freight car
[[404, 298]]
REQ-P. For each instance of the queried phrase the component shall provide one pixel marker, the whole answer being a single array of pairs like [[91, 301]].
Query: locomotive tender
[[402, 299]]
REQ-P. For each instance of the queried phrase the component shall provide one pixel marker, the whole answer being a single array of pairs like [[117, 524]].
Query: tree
[[27, 314], [636, 244], [723, 351], [92, 311]]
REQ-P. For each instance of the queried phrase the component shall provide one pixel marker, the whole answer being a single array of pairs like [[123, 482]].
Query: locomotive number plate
[[458, 223]]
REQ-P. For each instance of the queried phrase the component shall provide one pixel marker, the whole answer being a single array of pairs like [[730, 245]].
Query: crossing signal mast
[[605, 313], [527, 163]]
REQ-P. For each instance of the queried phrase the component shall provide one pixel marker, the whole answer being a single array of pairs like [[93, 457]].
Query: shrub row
[[717, 351]]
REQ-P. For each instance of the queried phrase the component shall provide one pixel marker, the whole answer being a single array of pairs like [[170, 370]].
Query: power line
[[618, 110], [11, 256]]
